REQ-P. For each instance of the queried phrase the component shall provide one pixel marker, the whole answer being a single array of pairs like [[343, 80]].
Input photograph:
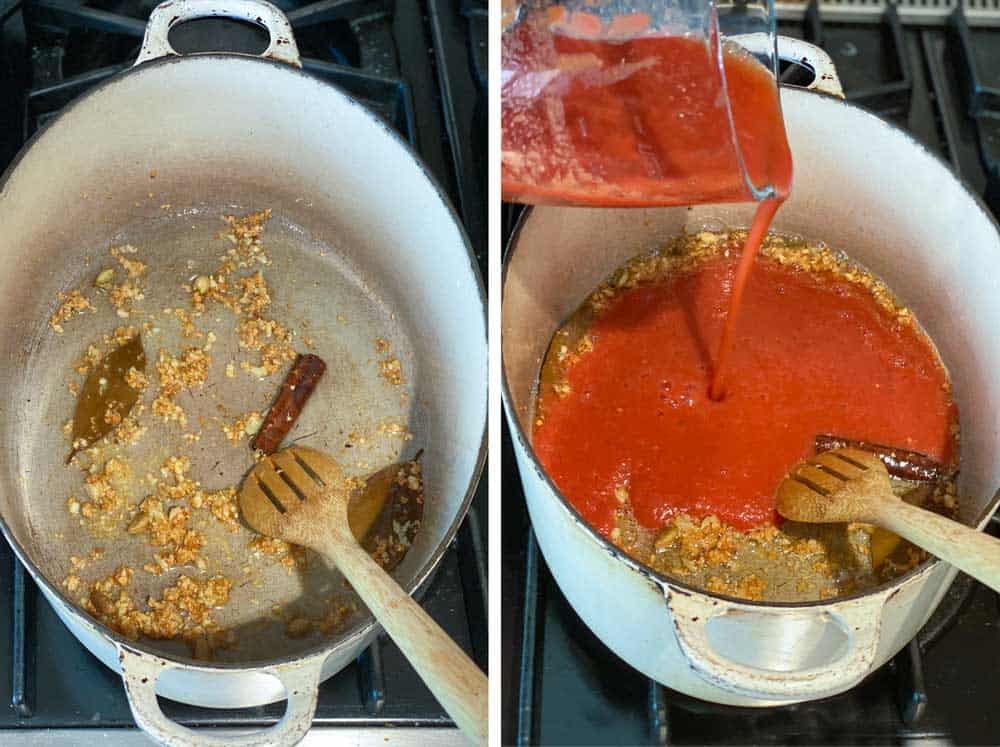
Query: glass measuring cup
[[641, 102]]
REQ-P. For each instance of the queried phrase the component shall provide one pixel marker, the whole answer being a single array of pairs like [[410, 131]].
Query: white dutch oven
[[863, 186], [264, 130]]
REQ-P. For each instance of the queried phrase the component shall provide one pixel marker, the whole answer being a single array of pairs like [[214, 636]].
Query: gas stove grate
[[51, 89], [924, 12]]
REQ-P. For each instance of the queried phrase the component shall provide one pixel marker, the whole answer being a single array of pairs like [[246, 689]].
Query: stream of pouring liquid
[[642, 122], [758, 231]]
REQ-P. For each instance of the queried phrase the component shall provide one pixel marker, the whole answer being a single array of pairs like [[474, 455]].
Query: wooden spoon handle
[[975, 552], [458, 684]]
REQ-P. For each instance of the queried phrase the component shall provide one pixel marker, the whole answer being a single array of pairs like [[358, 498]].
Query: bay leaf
[[106, 388], [383, 507]]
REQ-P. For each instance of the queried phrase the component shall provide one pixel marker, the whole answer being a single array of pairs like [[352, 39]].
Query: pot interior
[[861, 186], [361, 244]]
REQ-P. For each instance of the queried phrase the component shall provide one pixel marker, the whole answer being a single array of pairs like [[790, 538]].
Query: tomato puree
[[637, 121], [812, 353], [642, 121]]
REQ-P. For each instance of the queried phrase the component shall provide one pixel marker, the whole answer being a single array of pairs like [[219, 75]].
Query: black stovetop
[[562, 685], [421, 66]]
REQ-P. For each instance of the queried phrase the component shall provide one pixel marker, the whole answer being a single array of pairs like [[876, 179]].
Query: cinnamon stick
[[295, 390], [906, 465]]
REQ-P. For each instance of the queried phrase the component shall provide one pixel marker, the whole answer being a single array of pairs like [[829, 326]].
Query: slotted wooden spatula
[[300, 495], [852, 485]]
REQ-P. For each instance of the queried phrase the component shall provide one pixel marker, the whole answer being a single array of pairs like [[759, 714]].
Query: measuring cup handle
[[165, 16], [300, 679]]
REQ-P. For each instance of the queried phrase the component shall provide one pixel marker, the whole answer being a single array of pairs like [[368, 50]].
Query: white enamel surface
[[863, 187], [271, 136]]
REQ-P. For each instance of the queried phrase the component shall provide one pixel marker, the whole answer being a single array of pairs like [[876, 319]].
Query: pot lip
[[423, 575], [661, 580]]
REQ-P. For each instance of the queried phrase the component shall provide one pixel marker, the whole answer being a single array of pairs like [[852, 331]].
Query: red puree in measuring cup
[[635, 122], [641, 122]]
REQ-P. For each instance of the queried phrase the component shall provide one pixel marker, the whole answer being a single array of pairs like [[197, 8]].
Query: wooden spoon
[[853, 485], [300, 495]]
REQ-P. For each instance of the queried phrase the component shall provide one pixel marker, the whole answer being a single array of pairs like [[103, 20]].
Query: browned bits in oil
[[222, 504], [748, 587], [245, 235], [188, 328], [289, 556], [125, 256], [187, 371], [391, 370], [271, 339], [125, 295], [136, 379], [105, 488], [244, 426], [395, 429], [167, 528], [182, 610], [70, 305]]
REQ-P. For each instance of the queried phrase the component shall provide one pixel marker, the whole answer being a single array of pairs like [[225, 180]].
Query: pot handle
[[165, 16], [858, 621], [301, 680], [825, 80]]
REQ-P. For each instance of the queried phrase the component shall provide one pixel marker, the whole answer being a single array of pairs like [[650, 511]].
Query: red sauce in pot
[[811, 354]]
